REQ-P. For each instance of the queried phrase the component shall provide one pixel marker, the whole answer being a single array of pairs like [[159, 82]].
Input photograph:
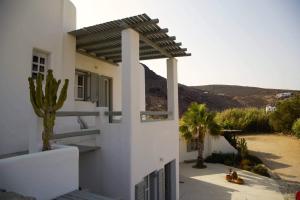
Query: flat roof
[[103, 41]]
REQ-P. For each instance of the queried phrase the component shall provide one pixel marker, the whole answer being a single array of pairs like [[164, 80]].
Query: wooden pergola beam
[[116, 54], [115, 30], [105, 42], [143, 45], [152, 33], [155, 46], [93, 56]]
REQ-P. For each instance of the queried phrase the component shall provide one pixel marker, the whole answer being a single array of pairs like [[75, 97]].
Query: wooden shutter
[[140, 190], [161, 184], [154, 185], [102, 96], [94, 87], [170, 180]]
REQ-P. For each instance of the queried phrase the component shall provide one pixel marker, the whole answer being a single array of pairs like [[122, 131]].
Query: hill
[[156, 95], [216, 97], [246, 96]]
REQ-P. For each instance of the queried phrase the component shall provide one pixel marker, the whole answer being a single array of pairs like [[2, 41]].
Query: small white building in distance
[[270, 108], [284, 95]]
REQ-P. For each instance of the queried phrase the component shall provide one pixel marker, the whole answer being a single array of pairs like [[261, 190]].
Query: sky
[[236, 42]]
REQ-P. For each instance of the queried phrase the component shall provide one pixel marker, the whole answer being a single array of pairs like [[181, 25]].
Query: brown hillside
[[156, 95]]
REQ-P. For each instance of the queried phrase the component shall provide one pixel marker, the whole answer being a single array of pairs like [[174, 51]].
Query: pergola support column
[[130, 102], [172, 87]]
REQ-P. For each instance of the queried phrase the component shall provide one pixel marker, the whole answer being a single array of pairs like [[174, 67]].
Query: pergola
[[103, 41]]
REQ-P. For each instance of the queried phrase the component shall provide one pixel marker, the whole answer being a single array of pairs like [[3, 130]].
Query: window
[[193, 145], [40, 62], [80, 85]]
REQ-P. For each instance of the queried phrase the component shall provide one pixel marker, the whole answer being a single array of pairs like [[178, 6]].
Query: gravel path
[[281, 154]]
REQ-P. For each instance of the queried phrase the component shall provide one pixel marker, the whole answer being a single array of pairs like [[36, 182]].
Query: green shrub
[[296, 128], [245, 119], [261, 170], [242, 147], [287, 112], [254, 160]]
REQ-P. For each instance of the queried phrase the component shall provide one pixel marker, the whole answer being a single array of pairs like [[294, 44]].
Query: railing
[[82, 132], [112, 116], [76, 113], [150, 116]]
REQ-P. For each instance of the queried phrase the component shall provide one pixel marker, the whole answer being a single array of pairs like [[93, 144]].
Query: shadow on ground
[[269, 160], [196, 189], [210, 184]]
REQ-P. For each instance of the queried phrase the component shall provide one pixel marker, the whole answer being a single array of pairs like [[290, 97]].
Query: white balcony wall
[[211, 145], [43, 175]]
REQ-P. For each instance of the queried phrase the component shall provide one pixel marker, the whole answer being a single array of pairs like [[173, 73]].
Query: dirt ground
[[281, 154]]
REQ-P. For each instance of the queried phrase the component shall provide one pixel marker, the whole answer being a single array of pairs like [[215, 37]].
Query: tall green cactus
[[45, 103]]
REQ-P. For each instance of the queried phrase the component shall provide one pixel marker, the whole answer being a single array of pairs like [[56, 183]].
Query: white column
[[172, 87], [130, 76], [130, 102]]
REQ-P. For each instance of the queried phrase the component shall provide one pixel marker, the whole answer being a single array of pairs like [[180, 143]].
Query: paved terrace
[[210, 184]]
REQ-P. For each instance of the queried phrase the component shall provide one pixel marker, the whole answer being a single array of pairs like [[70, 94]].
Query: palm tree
[[196, 122]]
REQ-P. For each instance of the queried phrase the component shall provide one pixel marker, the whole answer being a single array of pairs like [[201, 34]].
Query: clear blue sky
[[253, 42]]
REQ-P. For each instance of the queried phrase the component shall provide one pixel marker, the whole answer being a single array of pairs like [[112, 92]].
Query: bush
[[250, 163], [246, 164], [261, 170], [287, 112], [296, 128], [242, 147], [245, 119], [224, 158]]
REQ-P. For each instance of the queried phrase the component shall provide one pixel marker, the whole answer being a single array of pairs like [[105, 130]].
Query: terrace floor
[[210, 184]]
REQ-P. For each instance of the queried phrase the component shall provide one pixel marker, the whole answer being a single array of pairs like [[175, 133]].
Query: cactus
[[45, 104]]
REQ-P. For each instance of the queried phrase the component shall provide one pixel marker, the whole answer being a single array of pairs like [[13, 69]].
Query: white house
[[270, 108], [284, 95], [124, 153]]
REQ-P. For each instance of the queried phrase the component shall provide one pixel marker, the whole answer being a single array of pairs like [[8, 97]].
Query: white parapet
[[43, 175]]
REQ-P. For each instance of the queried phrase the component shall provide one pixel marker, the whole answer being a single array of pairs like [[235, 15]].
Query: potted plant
[[45, 103]]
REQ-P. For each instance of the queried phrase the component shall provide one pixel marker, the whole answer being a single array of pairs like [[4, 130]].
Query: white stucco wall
[[211, 145], [43, 175], [26, 25]]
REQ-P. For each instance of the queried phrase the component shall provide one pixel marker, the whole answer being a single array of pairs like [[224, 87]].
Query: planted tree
[[45, 102], [196, 122], [287, 111]]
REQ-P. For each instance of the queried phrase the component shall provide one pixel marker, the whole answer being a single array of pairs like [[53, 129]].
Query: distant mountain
[[156, 95], [246, 96], [216, 97]]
